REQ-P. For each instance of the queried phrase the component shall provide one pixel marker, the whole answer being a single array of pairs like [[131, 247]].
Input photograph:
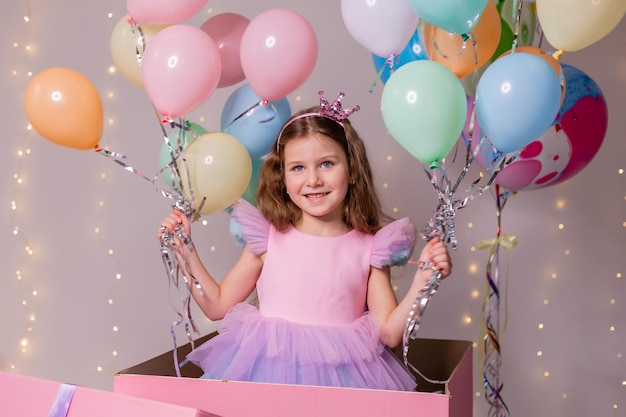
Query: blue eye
[[327, 164], [298, 168]]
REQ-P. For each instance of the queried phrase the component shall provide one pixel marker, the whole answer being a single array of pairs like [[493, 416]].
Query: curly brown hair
[[362, 209]]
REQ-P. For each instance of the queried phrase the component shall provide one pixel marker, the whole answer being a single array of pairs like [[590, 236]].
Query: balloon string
[[539, 31], [136, 28], [442, 223], [186, 320], [491, 353], [182, 128], [172, 255], [118, 159], [168, 248], [471, 38], [418, 307], [517, 16], [469, 154], [262, 103], [465, 37], [389, 62], [176, 156]]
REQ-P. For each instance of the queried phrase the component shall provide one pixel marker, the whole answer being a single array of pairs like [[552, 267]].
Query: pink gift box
[[26, 396], [447, 361]]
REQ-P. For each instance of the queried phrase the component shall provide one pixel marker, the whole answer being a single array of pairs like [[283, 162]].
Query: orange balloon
[[447, 48], [64, 107], [554, 63]]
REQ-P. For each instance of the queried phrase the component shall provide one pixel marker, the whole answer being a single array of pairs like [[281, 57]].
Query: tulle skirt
[[250, 347]]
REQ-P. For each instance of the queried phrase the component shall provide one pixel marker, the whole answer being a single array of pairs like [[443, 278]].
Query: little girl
[[319, 257]]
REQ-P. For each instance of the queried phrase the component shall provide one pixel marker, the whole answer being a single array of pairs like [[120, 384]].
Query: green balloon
[[424, 107], [508, 18]]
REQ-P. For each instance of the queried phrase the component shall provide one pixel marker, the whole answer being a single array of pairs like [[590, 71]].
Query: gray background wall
[[563, 350]]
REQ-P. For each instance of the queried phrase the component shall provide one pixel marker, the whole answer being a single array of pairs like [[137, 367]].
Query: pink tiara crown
[[335, 109]]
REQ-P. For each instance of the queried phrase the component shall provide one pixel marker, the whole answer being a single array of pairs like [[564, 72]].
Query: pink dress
[[312, 326]]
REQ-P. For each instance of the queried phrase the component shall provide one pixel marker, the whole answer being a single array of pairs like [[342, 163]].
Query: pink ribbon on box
[[63, 400]]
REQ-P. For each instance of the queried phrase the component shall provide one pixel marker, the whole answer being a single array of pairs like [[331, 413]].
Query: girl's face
[[316, 176]]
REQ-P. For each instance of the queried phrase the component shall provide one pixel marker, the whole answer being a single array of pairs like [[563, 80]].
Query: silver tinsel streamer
[[171, 253], [442, 223]]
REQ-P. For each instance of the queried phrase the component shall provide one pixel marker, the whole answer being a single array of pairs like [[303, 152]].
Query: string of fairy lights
[[26, 283], [115, 275], [29, 287]]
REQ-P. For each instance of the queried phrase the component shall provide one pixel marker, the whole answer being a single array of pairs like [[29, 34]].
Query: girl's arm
[[235, 287], [381, 299]]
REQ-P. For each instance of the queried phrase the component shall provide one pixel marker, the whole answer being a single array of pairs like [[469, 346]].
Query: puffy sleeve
[[393, 244], [248, 226]]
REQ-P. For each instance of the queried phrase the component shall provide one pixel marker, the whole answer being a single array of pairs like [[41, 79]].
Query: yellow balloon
[[125, 44], [573, 25], [215, 166]]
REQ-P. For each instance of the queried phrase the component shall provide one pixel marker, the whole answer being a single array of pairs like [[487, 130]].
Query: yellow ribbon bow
[[506, 240]]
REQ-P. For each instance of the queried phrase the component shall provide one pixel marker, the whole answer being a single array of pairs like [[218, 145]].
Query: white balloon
[[384, 27]]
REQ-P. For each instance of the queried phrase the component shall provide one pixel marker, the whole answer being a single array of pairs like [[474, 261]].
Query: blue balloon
[[517, 100], [413, 51], [254, 123]]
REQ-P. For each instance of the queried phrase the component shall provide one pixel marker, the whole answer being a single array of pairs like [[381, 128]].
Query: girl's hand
[[435, 253], [172, 221]]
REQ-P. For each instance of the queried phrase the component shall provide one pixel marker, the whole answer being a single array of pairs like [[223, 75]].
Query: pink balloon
[[227, 29], [278, 53], [157, 12], [180, 69]]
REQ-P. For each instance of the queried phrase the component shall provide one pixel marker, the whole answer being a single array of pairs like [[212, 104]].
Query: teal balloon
[[250, 194], [424, 106], [177, 138], [517, 99], [454, 16]]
